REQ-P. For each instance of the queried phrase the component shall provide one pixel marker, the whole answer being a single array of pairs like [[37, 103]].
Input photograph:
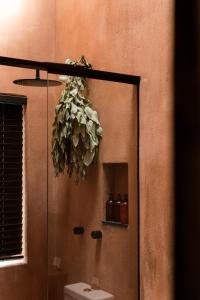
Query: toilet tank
[[83, 291]]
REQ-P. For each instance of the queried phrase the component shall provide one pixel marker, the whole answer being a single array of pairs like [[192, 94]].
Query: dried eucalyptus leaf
[[74, 92], [63, 78], [99, 131], [83, 131], [90, 126], [93, 143], [75, 139], [92, 114], [58, 107], [76, 129], [78, 116], [88, 158], [74, 108], [61, 116], [83, 120]]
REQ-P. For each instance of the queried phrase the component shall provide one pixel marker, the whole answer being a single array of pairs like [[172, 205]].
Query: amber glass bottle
[[124, 210], [117, 204], [110, 208]]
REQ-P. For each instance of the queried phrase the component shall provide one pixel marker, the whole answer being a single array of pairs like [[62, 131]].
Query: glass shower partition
[[109, 263], [56, 212]]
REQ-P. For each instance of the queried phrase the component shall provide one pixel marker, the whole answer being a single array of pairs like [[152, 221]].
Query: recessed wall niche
[[115, 202]]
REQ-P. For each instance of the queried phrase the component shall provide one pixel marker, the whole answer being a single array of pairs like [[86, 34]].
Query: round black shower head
[[37, 81]]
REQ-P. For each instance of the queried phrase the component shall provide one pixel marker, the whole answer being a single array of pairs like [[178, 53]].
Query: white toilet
[[83, 291]]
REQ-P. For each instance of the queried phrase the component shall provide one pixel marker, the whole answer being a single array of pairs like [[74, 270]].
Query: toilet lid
[[83, 291]]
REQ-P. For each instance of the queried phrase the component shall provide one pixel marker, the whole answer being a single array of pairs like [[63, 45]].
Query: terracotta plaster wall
[[129, 37], [113, 261], [29, 33]]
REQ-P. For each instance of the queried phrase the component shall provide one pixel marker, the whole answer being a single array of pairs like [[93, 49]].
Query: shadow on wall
[[187, 150]]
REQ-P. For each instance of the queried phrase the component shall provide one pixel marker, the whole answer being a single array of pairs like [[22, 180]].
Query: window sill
[[13, 263]]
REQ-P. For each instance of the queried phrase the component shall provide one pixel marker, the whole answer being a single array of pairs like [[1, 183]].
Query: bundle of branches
[[76, 128]]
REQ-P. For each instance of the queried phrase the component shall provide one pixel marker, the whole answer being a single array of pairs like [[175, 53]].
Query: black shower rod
[[64, 69]]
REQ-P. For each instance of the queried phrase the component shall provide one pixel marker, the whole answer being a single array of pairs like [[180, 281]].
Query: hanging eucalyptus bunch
[[76, 128]]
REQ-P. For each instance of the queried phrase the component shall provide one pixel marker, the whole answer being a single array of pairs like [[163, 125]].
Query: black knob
[[78, 230], [97, 234]]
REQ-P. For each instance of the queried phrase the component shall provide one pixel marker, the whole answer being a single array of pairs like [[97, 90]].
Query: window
[[11, 176]]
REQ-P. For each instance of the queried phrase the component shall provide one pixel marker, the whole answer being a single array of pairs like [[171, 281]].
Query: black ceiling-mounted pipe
[[64, 69]]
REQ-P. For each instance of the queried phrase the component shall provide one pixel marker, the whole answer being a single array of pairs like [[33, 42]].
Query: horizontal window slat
[[8, 147], [9, 174], [10, 202], [6, 216], [10, 251], [10, 216], [17, 138], [9, 177], [12, 153], [17, 182], [12, 183], [11, 244], [15, 155], [10, 225], [7, 219], [11, 189], [10, 231], [10, 143], [8, 164], [10, 122], [10, 211], [10, 241], [11, 127], [13, 251], [14, 237], [10, 222], [10, 111], [9, 247], [10, 197], [11, 159]]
